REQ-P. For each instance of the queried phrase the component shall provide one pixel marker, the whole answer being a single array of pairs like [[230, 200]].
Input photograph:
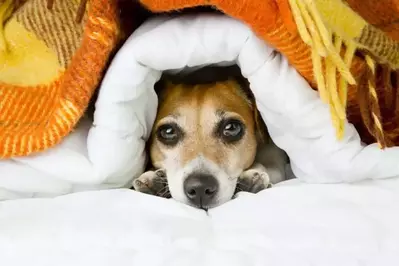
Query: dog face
[[204, 137]]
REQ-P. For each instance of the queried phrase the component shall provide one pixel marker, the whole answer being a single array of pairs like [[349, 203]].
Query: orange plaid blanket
[[53, 54]]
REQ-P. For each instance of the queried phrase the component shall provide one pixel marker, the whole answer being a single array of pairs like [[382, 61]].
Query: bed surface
[[291, 224]]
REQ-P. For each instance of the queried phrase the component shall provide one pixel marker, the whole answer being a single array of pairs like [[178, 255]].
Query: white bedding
[[110, 153], [292, 224]]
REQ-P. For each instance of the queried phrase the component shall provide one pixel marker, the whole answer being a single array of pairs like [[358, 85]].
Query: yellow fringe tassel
[[326, 48]]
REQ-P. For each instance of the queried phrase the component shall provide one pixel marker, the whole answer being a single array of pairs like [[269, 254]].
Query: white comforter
[[293, 224], [110, 153]]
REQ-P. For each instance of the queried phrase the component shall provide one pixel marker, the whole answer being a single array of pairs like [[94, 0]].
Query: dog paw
[[253, 181], [153, 183]]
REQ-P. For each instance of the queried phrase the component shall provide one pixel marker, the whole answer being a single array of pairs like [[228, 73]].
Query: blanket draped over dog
[[53, 53], [109, 151], [345, 49]]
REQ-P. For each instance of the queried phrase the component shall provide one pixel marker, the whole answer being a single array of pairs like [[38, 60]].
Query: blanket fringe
[[332, 56], [376, 125]]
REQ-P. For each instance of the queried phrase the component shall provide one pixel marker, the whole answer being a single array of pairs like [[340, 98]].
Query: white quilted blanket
[[110, 153], [293, 224]]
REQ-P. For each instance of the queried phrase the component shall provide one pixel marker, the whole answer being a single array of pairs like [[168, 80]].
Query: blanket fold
[[344, 50], [109, 152]]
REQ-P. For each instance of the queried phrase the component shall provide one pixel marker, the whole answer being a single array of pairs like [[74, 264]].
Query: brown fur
[[200, 109], [227, 96]]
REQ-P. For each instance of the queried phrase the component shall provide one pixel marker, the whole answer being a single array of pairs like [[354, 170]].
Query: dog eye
[[231, 130], [169, 134]]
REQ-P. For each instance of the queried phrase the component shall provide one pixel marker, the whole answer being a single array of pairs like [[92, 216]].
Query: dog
[[208, 141]]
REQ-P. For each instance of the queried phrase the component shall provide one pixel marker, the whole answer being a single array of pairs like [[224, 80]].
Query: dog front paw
[[153, 183], [253, 181]]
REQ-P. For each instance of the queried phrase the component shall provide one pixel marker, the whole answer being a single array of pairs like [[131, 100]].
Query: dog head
[[205, 134]]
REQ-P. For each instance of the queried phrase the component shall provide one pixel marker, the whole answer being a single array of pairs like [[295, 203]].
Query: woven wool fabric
[[51, 62], [384, 15], [381, 14], [52, 56], [372, 52], [332, 27]]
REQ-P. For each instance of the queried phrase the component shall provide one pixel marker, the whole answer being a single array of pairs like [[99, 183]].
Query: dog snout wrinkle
[[201, 189]]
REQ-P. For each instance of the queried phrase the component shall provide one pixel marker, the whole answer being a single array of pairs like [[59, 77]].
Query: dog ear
[[260, 126], [162, 86]]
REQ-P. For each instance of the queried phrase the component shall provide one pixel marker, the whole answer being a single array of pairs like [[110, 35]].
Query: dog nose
[[201, 189]]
